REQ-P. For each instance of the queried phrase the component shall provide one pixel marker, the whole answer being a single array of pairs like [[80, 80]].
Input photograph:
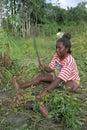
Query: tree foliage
[[23, 15]]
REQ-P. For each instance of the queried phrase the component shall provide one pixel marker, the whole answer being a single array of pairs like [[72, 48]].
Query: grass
[[25, 66]]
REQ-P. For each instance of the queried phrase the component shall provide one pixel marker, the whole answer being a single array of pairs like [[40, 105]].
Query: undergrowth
[[25, 67], [65, 108]]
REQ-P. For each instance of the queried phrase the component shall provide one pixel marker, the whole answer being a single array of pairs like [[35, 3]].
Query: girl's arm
[[42, 66], [49, 88], [54, 84]]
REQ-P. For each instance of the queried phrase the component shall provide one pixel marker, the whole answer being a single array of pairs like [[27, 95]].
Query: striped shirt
[[68, 70]]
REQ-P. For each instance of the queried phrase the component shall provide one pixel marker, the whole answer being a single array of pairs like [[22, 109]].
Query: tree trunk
[[29, 24], [14, 7]]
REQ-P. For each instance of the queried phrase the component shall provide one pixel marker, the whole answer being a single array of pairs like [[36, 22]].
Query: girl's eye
[[59, 48]]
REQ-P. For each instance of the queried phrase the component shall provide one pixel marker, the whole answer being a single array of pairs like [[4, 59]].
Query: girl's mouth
[[59, 55]]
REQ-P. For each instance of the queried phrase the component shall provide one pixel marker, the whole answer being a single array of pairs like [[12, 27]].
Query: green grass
[[25, 66]]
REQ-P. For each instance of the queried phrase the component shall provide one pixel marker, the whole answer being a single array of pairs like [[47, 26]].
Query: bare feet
[[14, 82], [43, 110]]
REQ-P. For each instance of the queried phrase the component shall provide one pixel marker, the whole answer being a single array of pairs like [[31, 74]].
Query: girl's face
[[61, 50]]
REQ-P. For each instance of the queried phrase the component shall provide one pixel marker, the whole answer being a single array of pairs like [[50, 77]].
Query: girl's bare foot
[[14, 82], [43, 110]]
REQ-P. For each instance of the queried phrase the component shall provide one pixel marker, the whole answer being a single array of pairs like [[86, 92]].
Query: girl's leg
[[36, 81], [71, 86], [52, 86]]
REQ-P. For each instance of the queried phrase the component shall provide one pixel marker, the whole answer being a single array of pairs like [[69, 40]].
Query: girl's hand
[[42, 66]]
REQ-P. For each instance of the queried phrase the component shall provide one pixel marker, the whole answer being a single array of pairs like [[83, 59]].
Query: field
[[13, 112]]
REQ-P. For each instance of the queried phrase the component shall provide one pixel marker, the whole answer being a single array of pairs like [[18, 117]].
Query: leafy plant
[[64, 107]]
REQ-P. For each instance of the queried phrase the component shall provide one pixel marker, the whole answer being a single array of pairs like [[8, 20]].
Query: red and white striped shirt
[[68, 70]]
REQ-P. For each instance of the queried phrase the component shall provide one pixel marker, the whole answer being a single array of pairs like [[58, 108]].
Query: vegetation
[[25, 67], [22, 17], [18, 57], [64, 108]]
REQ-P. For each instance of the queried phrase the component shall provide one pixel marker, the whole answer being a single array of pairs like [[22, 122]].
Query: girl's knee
[[71, 85]]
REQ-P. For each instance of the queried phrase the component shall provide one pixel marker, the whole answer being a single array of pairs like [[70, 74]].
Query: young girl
[[62, 69]]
